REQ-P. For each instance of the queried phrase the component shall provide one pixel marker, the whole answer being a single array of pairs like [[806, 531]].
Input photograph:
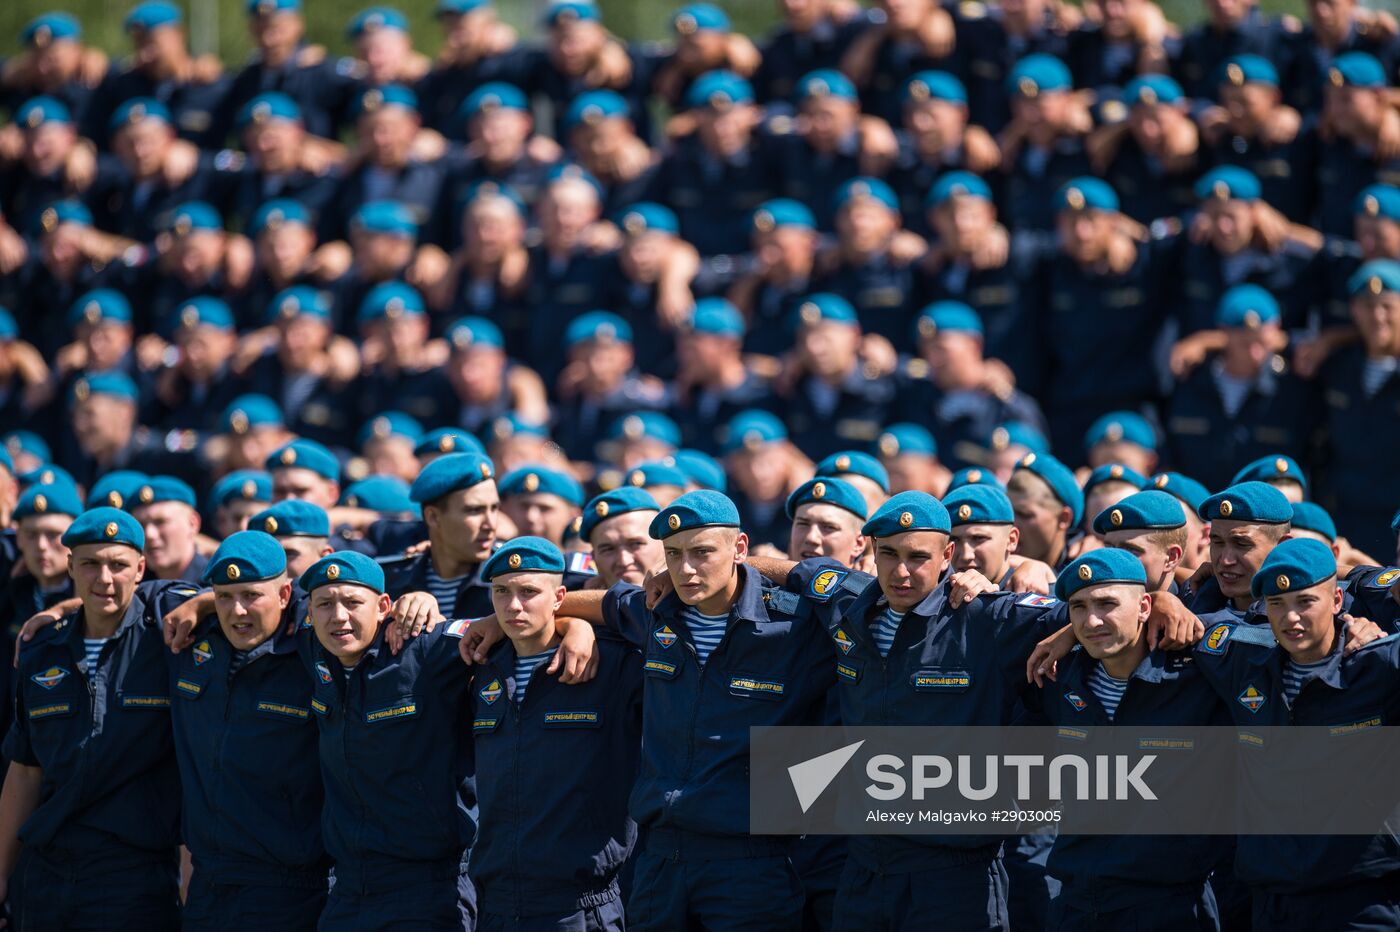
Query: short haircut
[[1170, 537], [1024, 482]]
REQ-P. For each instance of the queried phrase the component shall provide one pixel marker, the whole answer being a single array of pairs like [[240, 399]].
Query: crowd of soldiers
[[686, 388]]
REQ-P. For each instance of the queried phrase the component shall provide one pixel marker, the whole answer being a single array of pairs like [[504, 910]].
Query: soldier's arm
[[18, 801], [178, 623], [583, 605], [775, 568], [42, 620]]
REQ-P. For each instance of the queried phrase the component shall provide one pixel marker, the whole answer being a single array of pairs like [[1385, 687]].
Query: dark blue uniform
[[1309, 61], [399, 816], [1287, 172], [552, 844], [1362, 479], [251, 780], [988, 51], [193, 104], [1202, 275], [1028, 192], [788, 55], [103, 839], [579, 421], [1343, 171], [961, 421], [895, 62], [1147, 189], [322, 87], [881, 289], [773, 667], [823, 418], [417, 185], [1203, 50], [810, 176], [713, 197]]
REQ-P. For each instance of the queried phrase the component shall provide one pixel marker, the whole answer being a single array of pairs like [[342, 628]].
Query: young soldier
[[827, 515], [982, 532], [301, 528], [1151, 527], [1048, 505], [615, 525]]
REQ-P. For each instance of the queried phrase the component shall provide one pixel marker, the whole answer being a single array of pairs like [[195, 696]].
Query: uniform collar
[[748, 604], [1331, 670]]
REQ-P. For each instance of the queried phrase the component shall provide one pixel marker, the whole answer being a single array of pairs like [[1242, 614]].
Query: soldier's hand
[[1033, 576], [411, 615], [1171, 626], [33, 626], [1360, 632], [965, 586], [179, 625], [575, 661], [481, 636], [657, 584], [1043, 662]]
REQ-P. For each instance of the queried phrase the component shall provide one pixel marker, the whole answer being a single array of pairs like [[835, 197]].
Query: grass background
[[218, 25]]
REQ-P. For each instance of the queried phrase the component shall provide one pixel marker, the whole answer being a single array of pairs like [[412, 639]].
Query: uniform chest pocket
[[388, 711], [281, 709], [41, 704], [143, 701], [940, 680], [573, 718], [756, 687]]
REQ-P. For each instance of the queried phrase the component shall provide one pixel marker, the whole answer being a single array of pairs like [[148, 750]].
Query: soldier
[[827, 514], [1282, 472], [615, 525], [1123, 437], [601, 380], [1151, 527], [304, 469], [760, 460], [909, 455], [1154, 156], [865, 268], [1229, 29], [1352, 158], [662, 480], [540, 502], [783, 235], [1049, 129], [278, 140], [301, 528], [237, 497], [982, 532], [1109, 484], [1048, 505], [170, 521], [861, 470]]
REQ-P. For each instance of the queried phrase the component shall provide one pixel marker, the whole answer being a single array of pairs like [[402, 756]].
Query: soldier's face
[[48, 146], [821, 530], [701, 563], [1109, 620], [56, 62], [828, 121], [525, 604], [384, 52], [567, 210], [726, 131], [391, 456], [501, 133], [1328, 16], [801, 15], [1084, 233], [144, 145], [388, 134], [761, 472], [464, 522], [490, 226], [906, 15], [984, 548], [1237, 549], [1228, 11], [1250, 104], [1158, 561], [40, 543], [1041, 518], [908, 566], [204, 349], [1292, 489], [102, 422], [346, 617], [1230, 226], [298, 482], [1378, 238], [604, 363], [170, 532], [278, 30], [623, 551], [275, 146], [105, 577], [961, 220], [911, 471], [107, 343], [1378, 319], [540, 515], [574, 45], [866, 224], [829, 348], [1105, 495], [233, 517], [1303, 620], [303, 552], [284, 250], [250, 613]]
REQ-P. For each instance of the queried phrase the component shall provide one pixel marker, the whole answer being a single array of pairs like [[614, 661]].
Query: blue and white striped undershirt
[[1107, 689], [1295, 674], [93, 648], [706, 631], [884, 628], [525, 668], [444, 590]]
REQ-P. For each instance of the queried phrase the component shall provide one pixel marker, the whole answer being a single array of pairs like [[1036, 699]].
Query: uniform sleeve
[[1367, 590], [17, 747], [625, 613], [827, 586], [1022, 620]]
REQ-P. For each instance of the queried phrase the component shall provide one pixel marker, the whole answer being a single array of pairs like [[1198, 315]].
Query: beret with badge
[[1151, 510], [344, 567], [292, 517], [523, 555], [908, 511], [243, 485], [972, 475], [105, 525], [541, 480], [1270, 468], [1292, 565], [620, 501], [1186, 490], [448, 440], [451, 473], [825, 490], [1310, 516], [304, 454], [56, 498], [978, 504], [1114, 472], [1097, 567], [1253, 502], [1060, 479], [699, 509], [244, 557], [855, 463]]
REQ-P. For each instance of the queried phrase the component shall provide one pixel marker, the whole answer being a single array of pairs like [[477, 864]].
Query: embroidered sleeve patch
[[270, 707], [577, 718], [51, 709], [825, 584], [755, 688], [403, 710], [1216, 639], [189, 687]]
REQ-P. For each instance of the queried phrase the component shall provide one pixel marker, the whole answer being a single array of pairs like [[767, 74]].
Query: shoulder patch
[[1216, 639], [229, 160], [457, 628], [349, 68], [1036, 600], [825, 583], [1385, 579], [582, 563], [780, 600]]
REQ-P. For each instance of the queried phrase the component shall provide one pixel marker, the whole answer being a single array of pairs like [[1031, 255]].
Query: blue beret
[[523, 555], [1018, 434], [299, 301], [245, 556], [972, 475], [718, 317], [1356, 69], [9, 328], [1061, 480], [59, 212], [571, 171], [46, 474], [751, 429], [1097, 567], [571, 11], [243, 485], [448, 440], [204, 311], [655, 473], [827, 490], [593, 107], [50, 27], [390, 218], [864, 187], [958, 184], [1114, 472], [905, 439], [249, 411], [700, 17], [105, 525], [952, 316], [978, 504], [115, 488], [1187, 490], [1378, 200], [1249, 69], [541, 480], [98, 305], [481, 190], [194, 216], [1254, 502], [390, 301], [375, 99], [26, 441], [152, 15], [292, 517], [619, 501], [6, 462], [390, 424], [384, 494], [158, 489], [647, 217], [133, 111], [344, 567], [467, 332], [1375, 277], [825, 82], [1038, 74], [266, 7], [512, 424], [1266, 468], [1228, 182], [701, 469], [1246, 306], [1119, 426], [1310, 516], [782, 212], [935, 85], [1086, 193], [702, 508], [277, 213], [269, 106], [719, 89], [450, 473], [304, 454], [908, 511], [823, 306], [37, 111], [641, 424], [603, 326], [855, 463], [376, 17], [56, 498], [1152, 89], [1294, 564], [494, 95], [1142, 511], [111, 384]]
